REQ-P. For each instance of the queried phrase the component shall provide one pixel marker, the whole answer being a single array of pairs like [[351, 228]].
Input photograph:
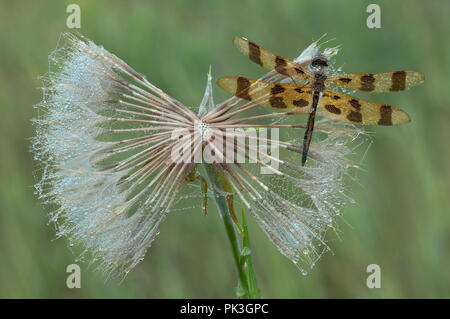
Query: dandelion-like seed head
[[106, 139]]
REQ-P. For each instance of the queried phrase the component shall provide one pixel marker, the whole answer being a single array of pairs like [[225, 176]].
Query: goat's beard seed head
[[103, 138]]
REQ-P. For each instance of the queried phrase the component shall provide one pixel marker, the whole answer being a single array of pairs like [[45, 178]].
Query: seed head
[[115, 151]]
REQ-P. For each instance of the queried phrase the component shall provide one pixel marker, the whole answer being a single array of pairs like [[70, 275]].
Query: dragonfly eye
[[319, 61]]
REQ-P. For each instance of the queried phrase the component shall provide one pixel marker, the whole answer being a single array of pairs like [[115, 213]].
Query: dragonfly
[[313, 94]]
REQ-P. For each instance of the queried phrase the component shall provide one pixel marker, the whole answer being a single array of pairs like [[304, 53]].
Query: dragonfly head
[[319, 62]]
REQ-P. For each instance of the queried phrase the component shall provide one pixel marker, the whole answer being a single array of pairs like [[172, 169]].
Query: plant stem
[[216, 188], [253, 289]]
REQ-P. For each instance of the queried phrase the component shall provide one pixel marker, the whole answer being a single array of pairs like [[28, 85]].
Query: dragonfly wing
[[379, 82], [345, 108], [278, 96], [269, 60]]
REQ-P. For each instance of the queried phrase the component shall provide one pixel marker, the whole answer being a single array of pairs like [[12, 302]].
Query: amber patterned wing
[[345, 108], [269, 60], [379, 82], [279, 96]]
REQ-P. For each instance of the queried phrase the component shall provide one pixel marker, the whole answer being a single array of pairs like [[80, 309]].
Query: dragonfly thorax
[[319, 81]]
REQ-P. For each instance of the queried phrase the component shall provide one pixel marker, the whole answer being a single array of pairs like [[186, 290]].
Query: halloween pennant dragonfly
[[314, 95]]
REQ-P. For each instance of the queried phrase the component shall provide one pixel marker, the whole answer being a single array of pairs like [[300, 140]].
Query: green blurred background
[[402, 217]]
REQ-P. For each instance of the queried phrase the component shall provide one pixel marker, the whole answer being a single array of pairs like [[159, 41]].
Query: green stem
[[253, 289], [216, 188]]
